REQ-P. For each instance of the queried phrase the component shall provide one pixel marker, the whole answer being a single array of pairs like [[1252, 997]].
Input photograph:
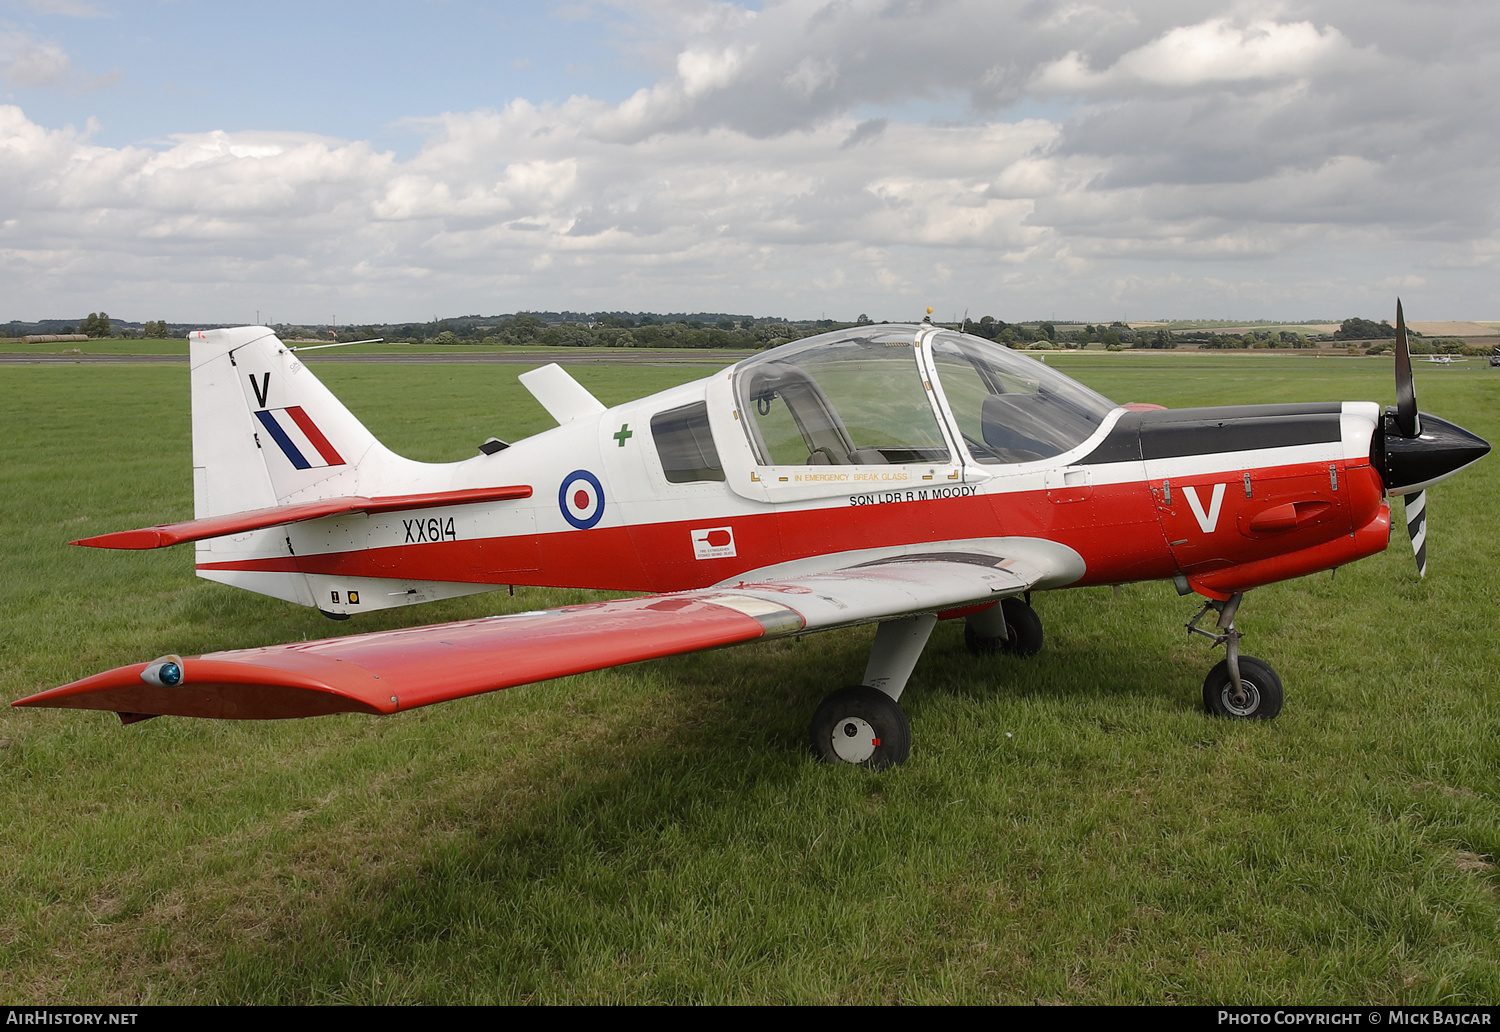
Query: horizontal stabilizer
[[297, 512]]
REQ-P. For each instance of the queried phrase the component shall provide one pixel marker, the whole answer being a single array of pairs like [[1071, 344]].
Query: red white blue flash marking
[[299, 438]]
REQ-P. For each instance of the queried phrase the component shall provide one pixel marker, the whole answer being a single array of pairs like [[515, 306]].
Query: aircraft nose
[[1410, 464]]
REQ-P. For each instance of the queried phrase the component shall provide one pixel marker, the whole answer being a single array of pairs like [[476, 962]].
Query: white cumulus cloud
[[26, 61], [1211, 52], [860, 155]]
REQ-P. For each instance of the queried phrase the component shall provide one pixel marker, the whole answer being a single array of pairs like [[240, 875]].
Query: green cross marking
[[625, 432]]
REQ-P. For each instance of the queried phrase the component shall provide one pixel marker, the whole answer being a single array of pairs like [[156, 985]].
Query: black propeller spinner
[[1419, 450]]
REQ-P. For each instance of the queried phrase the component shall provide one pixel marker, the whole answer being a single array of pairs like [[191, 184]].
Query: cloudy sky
[[381, 161]]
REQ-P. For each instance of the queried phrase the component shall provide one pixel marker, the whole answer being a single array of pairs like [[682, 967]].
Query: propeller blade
[[1416, 528], [1409, 424], [1407, 420]]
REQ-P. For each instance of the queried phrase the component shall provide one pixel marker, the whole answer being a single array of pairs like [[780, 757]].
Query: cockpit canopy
[[841, 399], [861, 397]]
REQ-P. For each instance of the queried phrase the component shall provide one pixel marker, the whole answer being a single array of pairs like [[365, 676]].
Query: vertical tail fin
[[267, 433], [265, 430]]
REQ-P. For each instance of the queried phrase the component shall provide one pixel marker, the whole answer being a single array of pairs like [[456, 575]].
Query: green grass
[[1069, 828]]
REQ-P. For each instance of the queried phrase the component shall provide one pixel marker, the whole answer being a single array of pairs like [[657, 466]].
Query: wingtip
[[225, 690], [146, 537]]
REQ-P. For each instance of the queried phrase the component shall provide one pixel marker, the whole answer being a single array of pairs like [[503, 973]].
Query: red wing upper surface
[[388, 671]]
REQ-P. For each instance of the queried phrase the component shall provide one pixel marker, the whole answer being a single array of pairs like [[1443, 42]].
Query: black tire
[[860, 725], [1025, 629], [1260, 700]]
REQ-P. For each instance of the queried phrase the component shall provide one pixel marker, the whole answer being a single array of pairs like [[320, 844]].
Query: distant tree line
[[1364, 329], [600, 329], [1115, 336], [722, 330], [1258, 339], [95, 324], [1013, 334]]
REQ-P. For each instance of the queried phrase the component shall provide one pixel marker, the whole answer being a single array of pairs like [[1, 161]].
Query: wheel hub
[[1241, 702], [854, 740]]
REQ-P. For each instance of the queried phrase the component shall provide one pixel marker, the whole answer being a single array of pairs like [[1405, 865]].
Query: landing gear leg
[[863, 724], [1242, 687]]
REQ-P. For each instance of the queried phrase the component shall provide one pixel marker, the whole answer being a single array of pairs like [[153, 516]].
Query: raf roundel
[[581, 499]]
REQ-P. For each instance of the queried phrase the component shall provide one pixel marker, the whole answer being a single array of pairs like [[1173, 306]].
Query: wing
[[389, 671]]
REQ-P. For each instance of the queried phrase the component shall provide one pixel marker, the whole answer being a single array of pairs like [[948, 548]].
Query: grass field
[[1069, 828]]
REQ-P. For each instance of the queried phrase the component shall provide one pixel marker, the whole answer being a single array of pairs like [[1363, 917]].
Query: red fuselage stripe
[[1124, 532]]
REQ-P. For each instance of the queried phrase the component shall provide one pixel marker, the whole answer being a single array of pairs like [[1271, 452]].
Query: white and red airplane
[[893, 474]]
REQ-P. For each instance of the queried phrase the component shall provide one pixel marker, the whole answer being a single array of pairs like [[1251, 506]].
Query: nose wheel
[[1256, 697], [1241, 687]]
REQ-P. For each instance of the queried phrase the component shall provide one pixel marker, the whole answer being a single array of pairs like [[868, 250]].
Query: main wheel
[[1259, 697], [1023, 625], [860, 725]]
